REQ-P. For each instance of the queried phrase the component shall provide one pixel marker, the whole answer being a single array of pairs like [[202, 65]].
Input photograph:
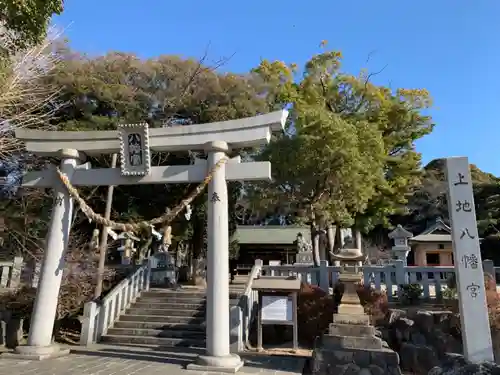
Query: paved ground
[[126, 360]]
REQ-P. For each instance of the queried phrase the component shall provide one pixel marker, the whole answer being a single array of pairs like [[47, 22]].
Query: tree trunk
[[358, 237], [331, 232], [198, 265], [315, 242]]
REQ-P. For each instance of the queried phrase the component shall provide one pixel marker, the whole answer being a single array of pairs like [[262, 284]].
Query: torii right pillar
[[218, 357]]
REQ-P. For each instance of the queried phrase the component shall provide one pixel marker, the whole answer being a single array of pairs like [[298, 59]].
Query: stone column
[[218, 357], [40, 344]]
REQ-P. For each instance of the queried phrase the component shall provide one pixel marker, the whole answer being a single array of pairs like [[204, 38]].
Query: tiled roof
[[431, 238]]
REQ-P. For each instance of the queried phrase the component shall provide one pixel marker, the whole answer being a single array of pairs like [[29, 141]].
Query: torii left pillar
[[40, 344]]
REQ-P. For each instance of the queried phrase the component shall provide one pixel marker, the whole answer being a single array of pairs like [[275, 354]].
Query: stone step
[[168, 305], [350, 342], [181, 298], [351, 330], [170, 319], [156, 333], [177, 302], [197, 326], [163, 299], [175, 293], [361, 319], [158, 341], [166, 312]]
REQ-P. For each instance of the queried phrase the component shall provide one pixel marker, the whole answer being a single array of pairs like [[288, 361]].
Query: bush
[[315, 312], [450, 293], [374, 301], [492, 300], [410, 293]]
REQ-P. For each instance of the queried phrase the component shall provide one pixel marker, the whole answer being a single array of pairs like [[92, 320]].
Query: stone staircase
[[165, 318]]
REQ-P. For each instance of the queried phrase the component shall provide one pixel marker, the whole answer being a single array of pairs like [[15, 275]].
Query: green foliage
[[429, 200], [410, 293], [28, 20], [450, 293], [348, 155]]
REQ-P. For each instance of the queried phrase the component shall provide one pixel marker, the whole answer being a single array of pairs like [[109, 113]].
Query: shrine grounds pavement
[[127, 360]]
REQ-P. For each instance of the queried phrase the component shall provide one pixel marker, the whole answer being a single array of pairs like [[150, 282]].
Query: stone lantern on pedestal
[[351, 345], [401, 248], [350, 274]]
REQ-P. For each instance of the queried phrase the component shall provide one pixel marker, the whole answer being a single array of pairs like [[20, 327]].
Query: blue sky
[[449, 47]]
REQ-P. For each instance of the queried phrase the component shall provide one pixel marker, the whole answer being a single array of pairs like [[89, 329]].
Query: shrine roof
[[437, 232], [269, 234], [431, 238]]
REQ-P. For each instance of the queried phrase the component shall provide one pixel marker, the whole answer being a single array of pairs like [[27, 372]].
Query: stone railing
[[99, 316], [384, 277], [243, 314], [10, 273]]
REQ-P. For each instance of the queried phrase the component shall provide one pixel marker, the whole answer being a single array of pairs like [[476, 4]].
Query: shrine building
[[268, 243], [433, 247]]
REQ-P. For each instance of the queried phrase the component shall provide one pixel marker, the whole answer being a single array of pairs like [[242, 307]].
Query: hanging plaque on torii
[[135, 156]]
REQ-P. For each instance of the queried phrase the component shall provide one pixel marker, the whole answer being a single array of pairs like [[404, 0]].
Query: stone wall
[[429, 342]]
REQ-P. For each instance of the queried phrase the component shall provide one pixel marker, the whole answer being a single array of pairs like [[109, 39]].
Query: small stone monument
[[401, 248], [164, 273], [351, 345], [304, 251]]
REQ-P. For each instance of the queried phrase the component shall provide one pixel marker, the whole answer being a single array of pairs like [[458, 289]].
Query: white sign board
[[476, 334], [277, 308], [274, 263]]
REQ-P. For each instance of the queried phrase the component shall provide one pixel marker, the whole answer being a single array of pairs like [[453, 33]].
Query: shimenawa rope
[[166, 218]]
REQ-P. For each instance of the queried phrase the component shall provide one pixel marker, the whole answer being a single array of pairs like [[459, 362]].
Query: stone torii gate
[[134, 143]]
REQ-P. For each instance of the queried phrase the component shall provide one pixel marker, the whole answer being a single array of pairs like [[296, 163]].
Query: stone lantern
[[127, 247], [351, 345], [350, 274], [401, 248]]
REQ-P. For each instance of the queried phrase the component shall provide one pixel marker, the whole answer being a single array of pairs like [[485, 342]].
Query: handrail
[[247, 302], [99, 316]]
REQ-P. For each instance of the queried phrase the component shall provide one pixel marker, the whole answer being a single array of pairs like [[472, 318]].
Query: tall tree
[[348, 155], [27, 21]]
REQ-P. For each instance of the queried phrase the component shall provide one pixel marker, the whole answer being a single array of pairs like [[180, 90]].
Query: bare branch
[[25, 101]]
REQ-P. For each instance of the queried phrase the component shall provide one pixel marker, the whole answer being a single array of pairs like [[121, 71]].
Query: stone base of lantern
[[37, 353], [352, 345], [230, 364]]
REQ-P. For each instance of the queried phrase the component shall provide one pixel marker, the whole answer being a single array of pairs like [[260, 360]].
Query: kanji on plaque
[[58, 201], [470, 261], [215, 198], [465, 232], [473, 290], [461, 178], [464, 206]]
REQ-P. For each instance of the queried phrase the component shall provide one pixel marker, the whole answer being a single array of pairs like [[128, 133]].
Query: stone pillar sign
[[476, 334]]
